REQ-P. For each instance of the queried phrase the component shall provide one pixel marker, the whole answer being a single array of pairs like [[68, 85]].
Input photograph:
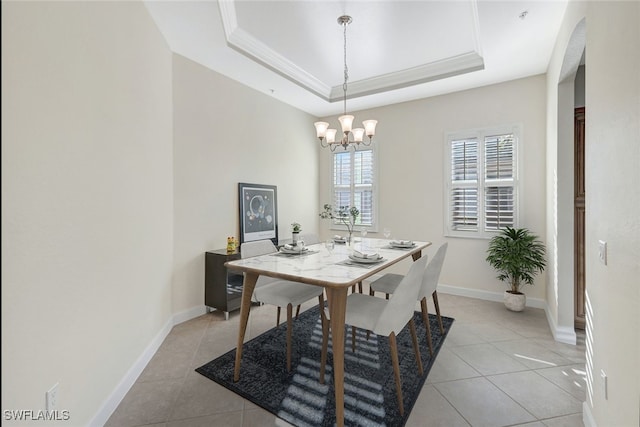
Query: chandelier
[[350, 137]]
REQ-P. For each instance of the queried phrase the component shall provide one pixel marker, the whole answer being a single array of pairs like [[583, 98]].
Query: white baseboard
[[134, 372], [587, 416], [192, 313], [477, 294], [560, 333], [486, 295]]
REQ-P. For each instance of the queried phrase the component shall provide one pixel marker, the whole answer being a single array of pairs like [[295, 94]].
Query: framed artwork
[[258, 212]]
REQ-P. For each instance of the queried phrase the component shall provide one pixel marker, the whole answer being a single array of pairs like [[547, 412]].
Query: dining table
[[337, 271]]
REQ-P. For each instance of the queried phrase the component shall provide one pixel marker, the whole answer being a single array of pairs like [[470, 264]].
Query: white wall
[[578, 96], [86, 199], [612, 153], [612, 91], [120, 169], [410, 142], [226, 133]]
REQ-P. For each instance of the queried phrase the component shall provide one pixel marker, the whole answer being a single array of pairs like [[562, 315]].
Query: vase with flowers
[[296, 228], [345, 215]]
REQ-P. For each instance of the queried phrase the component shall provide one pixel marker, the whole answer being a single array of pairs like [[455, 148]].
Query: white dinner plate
[[365, 260], [396, 244], [293, 251]]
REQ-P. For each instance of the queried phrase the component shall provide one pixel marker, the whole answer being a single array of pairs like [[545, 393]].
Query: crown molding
[[244, 43], [449, 67]]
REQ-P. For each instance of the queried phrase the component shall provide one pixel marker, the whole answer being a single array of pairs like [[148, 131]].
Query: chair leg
[[353, 339], [325, 341], [278, 318], [396, 370], [289, 327], [416, 348], [297, 311], [435, 302], [425, 320]]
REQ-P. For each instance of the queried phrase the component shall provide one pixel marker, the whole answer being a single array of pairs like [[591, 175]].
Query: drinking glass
[[386, 232], [330, 245], [363, 233], [363, 242]]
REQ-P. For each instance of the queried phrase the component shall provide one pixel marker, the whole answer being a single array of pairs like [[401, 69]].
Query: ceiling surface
[[396, 51]]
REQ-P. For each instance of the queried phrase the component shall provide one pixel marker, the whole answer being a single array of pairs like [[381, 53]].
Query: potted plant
[[296, 228], [517, 255], [345, 214]]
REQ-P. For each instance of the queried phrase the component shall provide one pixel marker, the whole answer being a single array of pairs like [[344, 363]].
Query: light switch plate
[[602, 251], [605, 384]]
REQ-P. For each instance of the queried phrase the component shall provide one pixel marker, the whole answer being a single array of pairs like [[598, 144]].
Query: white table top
[[318, 268]]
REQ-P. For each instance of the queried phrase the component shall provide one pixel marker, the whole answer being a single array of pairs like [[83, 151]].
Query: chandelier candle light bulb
[[346, 121]]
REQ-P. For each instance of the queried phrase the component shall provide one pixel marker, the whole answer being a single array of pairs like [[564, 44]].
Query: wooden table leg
[[337, 307], [248, 286]]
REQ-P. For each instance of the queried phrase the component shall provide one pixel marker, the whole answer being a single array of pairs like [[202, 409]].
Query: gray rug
[[298, 397]]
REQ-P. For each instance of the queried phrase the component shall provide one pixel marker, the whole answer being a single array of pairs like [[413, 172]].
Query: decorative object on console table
[[232, 244], [344, 215], [517, 255], [258, 212], [222, 288], [296, 228]]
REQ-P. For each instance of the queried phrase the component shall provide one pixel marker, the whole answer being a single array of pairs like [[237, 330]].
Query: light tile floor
[[496, 368]]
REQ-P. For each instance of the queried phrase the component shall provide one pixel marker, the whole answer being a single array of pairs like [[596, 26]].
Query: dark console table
[[222, 288]]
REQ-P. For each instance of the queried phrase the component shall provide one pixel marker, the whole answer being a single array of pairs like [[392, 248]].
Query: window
[[481, 179], [354, 184]]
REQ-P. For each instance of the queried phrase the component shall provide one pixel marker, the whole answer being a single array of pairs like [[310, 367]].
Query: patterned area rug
[[298, 397]]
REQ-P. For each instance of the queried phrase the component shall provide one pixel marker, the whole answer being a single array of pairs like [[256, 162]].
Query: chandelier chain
[[346, 69]]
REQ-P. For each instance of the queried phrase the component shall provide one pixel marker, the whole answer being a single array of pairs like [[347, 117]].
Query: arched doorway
[[564, 198]]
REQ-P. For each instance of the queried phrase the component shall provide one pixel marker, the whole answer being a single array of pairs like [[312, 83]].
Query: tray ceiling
[[396, 50]]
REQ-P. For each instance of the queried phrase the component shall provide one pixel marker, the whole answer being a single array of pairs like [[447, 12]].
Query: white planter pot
[[514, 302]]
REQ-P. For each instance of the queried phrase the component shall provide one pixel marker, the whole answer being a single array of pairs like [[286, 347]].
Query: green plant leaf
[[517, 255]]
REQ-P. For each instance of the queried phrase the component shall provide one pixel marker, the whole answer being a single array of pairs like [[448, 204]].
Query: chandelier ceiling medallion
[[350, 137]]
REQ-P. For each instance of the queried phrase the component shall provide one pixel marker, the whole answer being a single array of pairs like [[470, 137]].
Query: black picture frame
[[258, 208]]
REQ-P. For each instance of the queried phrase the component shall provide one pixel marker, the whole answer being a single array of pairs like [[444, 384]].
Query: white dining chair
[[383, 317], [278, 292], [390, 281], [308, 239]]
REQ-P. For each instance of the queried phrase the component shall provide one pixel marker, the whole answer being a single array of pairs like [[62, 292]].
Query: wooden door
[[579, 207]]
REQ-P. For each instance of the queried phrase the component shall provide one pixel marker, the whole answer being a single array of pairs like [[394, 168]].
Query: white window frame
[[480, 134], [336, 225]]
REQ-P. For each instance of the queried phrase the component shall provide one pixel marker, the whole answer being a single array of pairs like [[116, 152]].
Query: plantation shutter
[[342, 179], [499, 167], [464, 184], [353, 182]]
